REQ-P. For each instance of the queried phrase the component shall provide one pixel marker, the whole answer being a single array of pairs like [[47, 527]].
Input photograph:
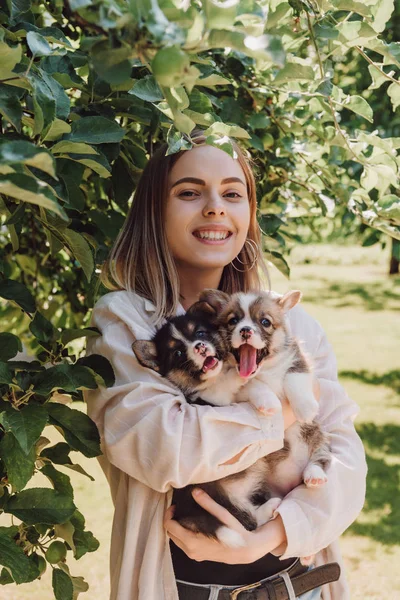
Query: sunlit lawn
[[349, 292]]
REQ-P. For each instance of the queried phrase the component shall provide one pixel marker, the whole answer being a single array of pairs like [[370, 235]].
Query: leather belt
[[273, 588]]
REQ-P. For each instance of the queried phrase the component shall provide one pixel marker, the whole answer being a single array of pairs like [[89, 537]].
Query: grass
[[348, 291]]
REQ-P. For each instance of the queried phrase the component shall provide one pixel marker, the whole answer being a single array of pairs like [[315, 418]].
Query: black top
[[217, 573]]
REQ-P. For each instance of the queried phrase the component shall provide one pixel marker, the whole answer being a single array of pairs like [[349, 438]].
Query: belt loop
[[214, 592], [289, 586]]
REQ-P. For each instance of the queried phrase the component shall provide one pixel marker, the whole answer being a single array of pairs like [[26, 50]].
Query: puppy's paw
[[306, 412], [266, 511], [314, 476], [230, 538]]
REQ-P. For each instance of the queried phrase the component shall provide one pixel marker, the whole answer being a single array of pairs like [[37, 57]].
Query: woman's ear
[[146, 353], [215, 298]]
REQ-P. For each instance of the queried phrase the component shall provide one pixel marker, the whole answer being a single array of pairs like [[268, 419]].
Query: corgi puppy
[[200, 352], [266, 354]]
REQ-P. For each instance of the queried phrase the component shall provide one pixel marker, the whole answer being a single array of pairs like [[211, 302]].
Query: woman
[[193, 226]]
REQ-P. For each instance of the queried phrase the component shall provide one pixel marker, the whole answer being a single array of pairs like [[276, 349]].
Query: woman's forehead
[[207, 163]]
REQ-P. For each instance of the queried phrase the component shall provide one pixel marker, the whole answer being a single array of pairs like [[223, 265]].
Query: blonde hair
[[140, 259]]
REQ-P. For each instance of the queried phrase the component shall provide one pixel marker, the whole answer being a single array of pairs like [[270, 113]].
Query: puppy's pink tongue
[[248, 360]]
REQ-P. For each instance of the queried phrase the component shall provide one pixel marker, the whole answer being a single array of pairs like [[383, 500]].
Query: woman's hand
[[199, 547]]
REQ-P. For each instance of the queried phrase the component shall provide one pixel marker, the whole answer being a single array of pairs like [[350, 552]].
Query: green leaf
[[5, 577], [21, 152], [147, 89], [18, 293], [62, 585], [74, 147], [101, 366], [60, 482], [79, 430], [57, 129], [114, 65], [19, 465], [25, 424], [63, 376], [80, 250], [353, 6], [40, 505], [42, 329], [38, 45], [10, 105], [294, 72], [394, 94], [360, 106], [59, 453], [10, 345], [279, 262], [6, 375], [44, 103], [95, 130], [218, 128], [220, 15], [9, 57], [26, 188], [13, 557], [389, 207], [84, 542], [382, 11], [73, 334]]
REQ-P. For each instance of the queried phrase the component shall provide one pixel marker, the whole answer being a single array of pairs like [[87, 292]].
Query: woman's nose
[[214, 206]]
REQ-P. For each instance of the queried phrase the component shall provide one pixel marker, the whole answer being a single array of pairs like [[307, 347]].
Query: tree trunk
[[394, 259]]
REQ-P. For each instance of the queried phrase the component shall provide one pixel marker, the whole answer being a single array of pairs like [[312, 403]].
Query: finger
[[175, 529], [216, 509], [169, 513]]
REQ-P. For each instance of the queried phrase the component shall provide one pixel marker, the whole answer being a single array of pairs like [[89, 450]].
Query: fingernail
[[197, 492]]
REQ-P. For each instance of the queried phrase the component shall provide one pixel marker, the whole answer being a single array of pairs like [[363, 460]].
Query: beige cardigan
[[153, 440]]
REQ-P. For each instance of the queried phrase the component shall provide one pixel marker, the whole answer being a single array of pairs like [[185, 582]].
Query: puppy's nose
[[246, 332], [200, 347]]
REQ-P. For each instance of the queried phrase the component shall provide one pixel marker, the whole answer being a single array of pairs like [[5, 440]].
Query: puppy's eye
[[201, 333], [265, 322], [178, 353], [233, 321]]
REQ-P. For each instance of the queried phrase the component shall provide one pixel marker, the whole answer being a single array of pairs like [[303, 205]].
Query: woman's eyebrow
[[202, 182]]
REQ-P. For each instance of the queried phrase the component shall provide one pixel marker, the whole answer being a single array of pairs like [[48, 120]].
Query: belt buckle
[[235, 593]]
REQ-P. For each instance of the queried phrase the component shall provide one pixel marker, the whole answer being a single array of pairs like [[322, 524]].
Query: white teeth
[[213, 235]]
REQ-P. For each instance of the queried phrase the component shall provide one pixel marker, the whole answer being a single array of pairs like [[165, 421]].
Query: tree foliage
[[88, 89]]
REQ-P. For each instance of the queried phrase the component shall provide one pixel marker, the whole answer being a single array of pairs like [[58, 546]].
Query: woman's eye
[[233, 321], [265, 322], [178, 353], [188, 194], [233, 195]]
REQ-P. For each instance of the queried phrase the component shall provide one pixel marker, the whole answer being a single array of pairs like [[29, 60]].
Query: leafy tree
[[88, 89]]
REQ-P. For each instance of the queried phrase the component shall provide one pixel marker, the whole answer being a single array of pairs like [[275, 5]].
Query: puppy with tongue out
[[269, 359]]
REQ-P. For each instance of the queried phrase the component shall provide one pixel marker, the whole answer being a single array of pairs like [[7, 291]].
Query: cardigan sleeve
[[314, 518], [147, 428]]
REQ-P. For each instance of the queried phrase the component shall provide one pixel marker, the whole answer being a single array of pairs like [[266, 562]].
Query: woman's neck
[[193, 282]]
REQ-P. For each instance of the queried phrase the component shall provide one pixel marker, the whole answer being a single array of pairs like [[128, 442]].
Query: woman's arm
[[148, 429], [314, 518]]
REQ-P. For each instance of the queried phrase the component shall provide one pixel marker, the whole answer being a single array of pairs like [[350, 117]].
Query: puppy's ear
[[215, 298], [201, 309], [289, 300], [146, 353]]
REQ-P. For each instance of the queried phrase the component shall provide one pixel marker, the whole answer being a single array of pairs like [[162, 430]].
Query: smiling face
[[207, 212]]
